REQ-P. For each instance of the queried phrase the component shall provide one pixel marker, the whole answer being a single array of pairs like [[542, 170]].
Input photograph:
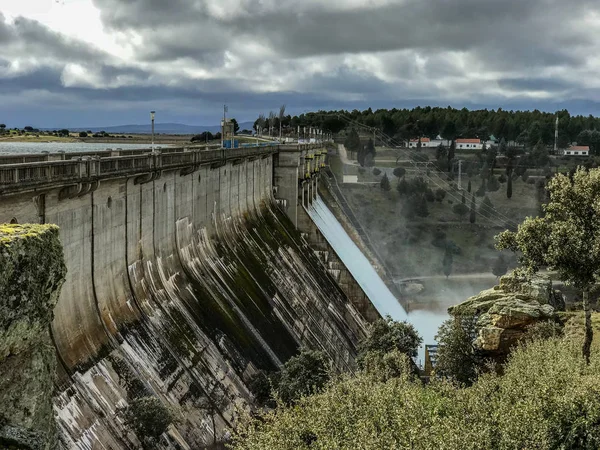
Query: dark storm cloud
[[532, 32], [257, 54]]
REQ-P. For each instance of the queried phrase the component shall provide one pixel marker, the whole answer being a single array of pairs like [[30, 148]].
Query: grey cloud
[[535, 84], [31, 38], [428, 51]]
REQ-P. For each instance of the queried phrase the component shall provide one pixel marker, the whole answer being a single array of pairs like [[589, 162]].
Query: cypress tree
[[472, 215], [463, 201], [385, 183], [447, 262], [509, 186], [469, 186]]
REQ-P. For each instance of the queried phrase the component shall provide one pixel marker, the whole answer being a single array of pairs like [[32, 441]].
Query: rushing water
[[53, 147], [426, 322]]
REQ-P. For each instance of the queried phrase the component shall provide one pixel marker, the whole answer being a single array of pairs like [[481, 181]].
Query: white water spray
[[426, 322]]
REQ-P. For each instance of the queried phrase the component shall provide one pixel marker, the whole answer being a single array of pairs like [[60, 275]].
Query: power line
[[491, 210]]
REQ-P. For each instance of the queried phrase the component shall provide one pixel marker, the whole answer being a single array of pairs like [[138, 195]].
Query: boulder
[[505, 312], [32, 271]]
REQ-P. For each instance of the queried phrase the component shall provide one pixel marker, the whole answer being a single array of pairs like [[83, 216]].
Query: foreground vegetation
[[547, 398]]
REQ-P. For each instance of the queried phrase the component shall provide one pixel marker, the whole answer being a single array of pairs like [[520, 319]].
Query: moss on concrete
[[32, 270]]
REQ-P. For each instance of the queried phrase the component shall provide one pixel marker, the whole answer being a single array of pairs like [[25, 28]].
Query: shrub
[[502, 178], [386, 335], [376, 171], [302, 375], [440, 194], [262, 386], [148, 418], [493, 184], [542, 330], [546, 399], [429, 196], [399, 172], [460, 210], [83, 134]]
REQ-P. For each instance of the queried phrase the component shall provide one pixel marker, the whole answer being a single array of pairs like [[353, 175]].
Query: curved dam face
[[181, 288]]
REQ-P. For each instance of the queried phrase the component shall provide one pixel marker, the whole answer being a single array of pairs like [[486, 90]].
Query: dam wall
[[181, 284]]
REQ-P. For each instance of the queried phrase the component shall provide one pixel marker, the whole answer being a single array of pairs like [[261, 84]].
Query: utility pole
[[223, 127], [152, 119], [556, 137], [459, 174]]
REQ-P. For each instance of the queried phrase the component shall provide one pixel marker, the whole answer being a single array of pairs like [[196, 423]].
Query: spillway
[[358, 264], [385, 302]]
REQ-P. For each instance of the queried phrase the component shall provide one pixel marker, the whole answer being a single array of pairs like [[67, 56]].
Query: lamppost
[[152, 119]]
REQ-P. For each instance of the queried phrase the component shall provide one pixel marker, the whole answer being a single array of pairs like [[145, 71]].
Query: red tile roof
[[580, 147], [422, 140], [468, 141]]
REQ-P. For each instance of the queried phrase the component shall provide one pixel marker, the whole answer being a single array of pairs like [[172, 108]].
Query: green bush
[[302, 375], [547, 398], [386, 335], [148, 418], [399, 172], [376, 171]]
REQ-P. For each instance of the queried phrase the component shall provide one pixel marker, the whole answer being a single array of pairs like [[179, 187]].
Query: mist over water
[[425, 321]]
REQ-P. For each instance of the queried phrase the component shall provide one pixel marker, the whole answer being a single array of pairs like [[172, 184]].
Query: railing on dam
[[78, 167]]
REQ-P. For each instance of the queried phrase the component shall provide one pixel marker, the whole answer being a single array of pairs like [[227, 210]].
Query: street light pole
[[152, 119]]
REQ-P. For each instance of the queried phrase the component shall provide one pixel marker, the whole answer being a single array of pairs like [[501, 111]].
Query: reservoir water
[[53, 147]]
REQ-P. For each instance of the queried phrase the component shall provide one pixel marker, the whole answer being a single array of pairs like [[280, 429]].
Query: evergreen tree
[[447, 262], [463, 200], [469, 186], [486, 209], [385, 183], [472, 215], [399, 172], [509, 186], [460, 210], [451, 151]]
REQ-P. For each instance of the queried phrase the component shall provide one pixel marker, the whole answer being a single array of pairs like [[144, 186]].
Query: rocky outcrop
[[32, 271], [505, 312]]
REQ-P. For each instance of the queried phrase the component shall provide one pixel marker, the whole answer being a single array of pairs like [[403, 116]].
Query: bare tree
[[261, 123], [281, 116], [271, 121]]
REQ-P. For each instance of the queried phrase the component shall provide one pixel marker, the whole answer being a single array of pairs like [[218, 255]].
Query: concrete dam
[[188, 270]]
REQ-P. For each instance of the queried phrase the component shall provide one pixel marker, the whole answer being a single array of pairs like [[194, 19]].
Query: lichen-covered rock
[[505, 312], [32, 271]]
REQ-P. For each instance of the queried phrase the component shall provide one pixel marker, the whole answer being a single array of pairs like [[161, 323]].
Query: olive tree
[[566, 239]]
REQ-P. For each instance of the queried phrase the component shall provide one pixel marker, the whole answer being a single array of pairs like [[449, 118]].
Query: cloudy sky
[[84, 63]]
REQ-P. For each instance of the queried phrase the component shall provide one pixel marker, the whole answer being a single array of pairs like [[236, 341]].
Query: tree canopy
[[567, 238]]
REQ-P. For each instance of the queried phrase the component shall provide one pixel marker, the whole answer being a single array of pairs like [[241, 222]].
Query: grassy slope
[[406, 244]]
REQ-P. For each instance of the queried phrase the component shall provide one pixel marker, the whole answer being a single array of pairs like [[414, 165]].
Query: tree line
[[522, 127]]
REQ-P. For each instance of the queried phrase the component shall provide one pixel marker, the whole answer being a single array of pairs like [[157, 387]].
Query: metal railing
[[76, 168]]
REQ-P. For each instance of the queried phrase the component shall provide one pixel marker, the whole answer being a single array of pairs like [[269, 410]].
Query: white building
[[577, 150], [469, 144], [425, 142]]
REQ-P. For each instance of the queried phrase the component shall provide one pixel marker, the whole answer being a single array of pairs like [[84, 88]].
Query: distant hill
[[162, 128]]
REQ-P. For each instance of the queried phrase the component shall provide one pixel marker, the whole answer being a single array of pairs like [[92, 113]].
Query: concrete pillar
[[288, 171]]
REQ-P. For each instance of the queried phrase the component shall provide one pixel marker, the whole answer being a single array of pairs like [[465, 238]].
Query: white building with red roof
[[577, 150], [469, 144], [425, 142]]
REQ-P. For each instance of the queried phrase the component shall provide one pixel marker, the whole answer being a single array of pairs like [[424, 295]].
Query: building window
[[576, 153]]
